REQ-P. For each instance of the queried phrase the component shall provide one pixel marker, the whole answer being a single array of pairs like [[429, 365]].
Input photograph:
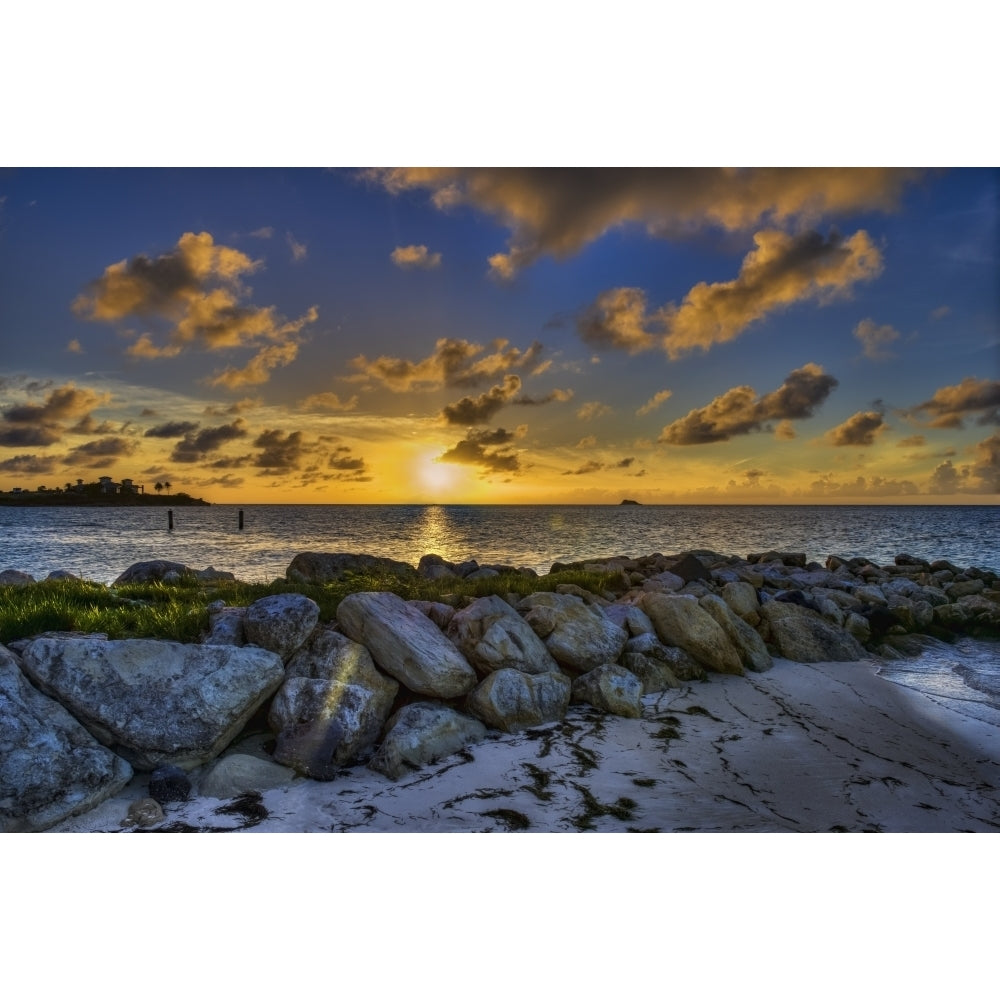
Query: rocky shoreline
[[274, 699]]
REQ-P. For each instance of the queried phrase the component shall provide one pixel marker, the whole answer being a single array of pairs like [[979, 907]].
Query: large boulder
[[511, 700], [331, 708], [742, 598], [238, 773], [154, 571], [610, 688], [579, 636], [155, 702], [493, 636], [280, 623], [801, 634], [326, 567], [15, 578], [51, 768], [679, 620], [747, 641], [406, 644], [225, 627], [423, 732]]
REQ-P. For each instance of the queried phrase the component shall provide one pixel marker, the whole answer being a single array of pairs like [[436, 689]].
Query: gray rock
[[801, 634], [634, 620], [51, 768], [742, 598], [659, 667], [169, 783], [610, 688], [225, 628], [511, 700], [663, 582], [238, 773], [439, 613], [581, 636], [15, 578], [679, 620], [155, 702], [152, 571], [332, 706], [421, 733], [406, 644], [326, 567], [493, 636], [747, 641], [144, 813], [62, 574], [281, 622]]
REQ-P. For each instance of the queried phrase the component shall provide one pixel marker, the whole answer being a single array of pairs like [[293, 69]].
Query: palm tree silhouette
[[167, 487], [158, 487]]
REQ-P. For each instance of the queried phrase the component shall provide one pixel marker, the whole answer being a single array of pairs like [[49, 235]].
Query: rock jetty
[[273, 694]]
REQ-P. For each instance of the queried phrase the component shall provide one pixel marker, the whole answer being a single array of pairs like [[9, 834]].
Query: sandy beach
[[821, 747]]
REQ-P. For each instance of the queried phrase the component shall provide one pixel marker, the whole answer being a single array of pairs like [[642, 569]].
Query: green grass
[[178, 611]]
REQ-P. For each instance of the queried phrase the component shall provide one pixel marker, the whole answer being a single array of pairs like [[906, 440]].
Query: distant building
[[108, 485], [129, 487]]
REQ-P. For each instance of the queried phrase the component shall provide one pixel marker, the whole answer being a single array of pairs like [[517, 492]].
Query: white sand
[[804, 747]]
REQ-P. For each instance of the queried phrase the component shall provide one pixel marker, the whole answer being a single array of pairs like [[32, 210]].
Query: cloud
[[982, 476], [171, 429], [233, 409], [328, 401], [951, 405], [196, 446], [784, 430], [347, 467], [487, 449], [557, 212], [480, 410], [258, 369], [74, 347], [415, 256], [913, 441], [877, 486], [740, 411], [280, 451], [41, 424], [783, 270], [299, 250], [454, 363], [264, 233], [875, 340], [651, 404], [29, 465], [940, 312], [861, 429], [555, 396], [195, 291], [585, 469], [101, 453], [593, 409], [587, 442]]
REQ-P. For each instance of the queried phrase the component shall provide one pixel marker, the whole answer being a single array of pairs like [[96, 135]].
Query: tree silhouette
[[158, 487], [166, 486]]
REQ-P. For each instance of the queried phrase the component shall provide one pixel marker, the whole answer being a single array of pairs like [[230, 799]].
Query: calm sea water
[[99, 543]]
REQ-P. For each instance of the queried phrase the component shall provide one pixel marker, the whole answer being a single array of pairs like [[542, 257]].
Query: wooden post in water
[[170, 520], [241, 520]]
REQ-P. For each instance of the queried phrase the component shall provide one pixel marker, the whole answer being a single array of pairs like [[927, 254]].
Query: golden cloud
[[951, 405], [741, 411], [861, 429], [560, 211], [781, 271], [454, 363], [415, 256], [875, 340], [196, 290], [651, 404]]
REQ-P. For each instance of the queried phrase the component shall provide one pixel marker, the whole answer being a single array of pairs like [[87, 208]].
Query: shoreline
[[821, 747]]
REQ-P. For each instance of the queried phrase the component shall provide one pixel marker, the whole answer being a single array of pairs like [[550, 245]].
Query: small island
[[630, 503], [104, 493]]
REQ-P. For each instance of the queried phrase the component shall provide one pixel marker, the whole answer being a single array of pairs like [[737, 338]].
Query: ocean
[[99, 543]]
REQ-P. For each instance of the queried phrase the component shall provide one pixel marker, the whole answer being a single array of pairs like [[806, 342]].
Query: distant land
[[630, 503], [92, 496]]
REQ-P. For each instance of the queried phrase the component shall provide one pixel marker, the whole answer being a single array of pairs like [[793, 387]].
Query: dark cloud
[[172, 429], [555, 396], [740, 411], [38, 425], [26, 436], [488, 449], [29, 465], [877, 486], [625, 463], [480, 409], [195, 446], [280, 451], [982, 476], [861, 429], [952, 405], [559, 211], [585, 469], [102, 453]]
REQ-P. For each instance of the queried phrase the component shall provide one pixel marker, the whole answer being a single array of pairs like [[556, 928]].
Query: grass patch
[[177, 611]]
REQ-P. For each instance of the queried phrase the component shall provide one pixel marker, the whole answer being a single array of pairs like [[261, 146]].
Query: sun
[[436, 478]]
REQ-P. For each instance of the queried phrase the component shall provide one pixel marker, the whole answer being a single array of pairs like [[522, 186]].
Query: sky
[[514, 335]]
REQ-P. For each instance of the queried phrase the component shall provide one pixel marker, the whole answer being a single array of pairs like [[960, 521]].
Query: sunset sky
[[503, 336]]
